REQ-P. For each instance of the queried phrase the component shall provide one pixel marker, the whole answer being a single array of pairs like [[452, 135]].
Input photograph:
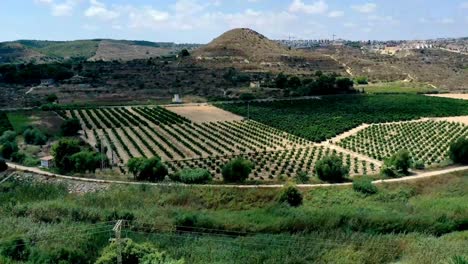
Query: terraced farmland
[[427, 141]]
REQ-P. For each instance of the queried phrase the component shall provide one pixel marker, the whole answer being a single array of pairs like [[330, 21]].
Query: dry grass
[[204, 113]]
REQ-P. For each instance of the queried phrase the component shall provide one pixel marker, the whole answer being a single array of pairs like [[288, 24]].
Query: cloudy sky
[[199, 21]]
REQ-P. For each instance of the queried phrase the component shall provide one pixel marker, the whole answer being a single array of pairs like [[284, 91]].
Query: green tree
[[16, 249], [143, 169], [8, 149], [51, 98], [84, 161], [364, 185], [70, 127], [62, 152], [361, 80], [34, 136], [344, 84], [458, 151], [331, 169], [281, 81], [237, 170], [397, 164], [3, 165], [291, 195], [294, 82], [7, 136], [184, 53]]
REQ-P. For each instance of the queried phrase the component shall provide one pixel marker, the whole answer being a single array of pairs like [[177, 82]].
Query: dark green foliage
[[70, 127], [34, 136], [246, 97], [458, 260], [3, 165], [459, 151], [86, 160], [281, 81], [302, 177], [15, 249], [7, 136], [331, 169], [192, 176], [237, 170], [7, 149], [51, 98], [33, 73], [62, 152], [361, 80], [290, 195], [143, 169], [133, 253], [184, 53], [318, 120], [294, 82], [364, 185], [397, 164], [4, 122], [344, 84]]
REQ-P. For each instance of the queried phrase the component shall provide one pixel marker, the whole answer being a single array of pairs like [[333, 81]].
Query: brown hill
[[109, 50], [248, 50], [245, 43]]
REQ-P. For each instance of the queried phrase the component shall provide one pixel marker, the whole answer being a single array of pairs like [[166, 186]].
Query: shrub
[[192, 176], [87, 161], [364, 185], [8, 149], [16, 249], [397, 164], [145, 169], [237, 170], [361, 80], [3, 165], [291, 195], [62, 152], [34, 136], [7, 136], [135, 253], [331, 169], [302, 177], [419, 165], [70, 127], [459, 151]]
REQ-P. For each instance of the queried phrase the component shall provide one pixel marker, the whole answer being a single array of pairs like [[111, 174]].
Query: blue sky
[[199, 21]]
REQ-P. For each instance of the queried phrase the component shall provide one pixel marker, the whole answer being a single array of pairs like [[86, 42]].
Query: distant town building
[[255, 84], [47, 162]]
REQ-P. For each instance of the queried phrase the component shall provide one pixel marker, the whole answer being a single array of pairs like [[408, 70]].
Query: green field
[[19, 120], [423, 222], [318, 120], [398, 88]]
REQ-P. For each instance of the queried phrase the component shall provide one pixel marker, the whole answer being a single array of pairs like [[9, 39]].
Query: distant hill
[[40, 51], [249, 50]]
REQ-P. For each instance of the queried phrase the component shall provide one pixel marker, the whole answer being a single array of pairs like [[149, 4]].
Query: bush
[[192, 176], [397, 164], [135, 253], [291, 195], [7, 136], [34, 136], [87, 161], [8, 149], [419, 165], [145, 169], [331, 169], [361, 80], [364, 185], [459, 151], [62, 152], [70, 127], [302, 177], [237, 170], [3, 165], [15, 249]]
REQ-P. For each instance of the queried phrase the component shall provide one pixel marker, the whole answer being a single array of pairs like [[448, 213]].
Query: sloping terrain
[[248, 50], [111, 50]]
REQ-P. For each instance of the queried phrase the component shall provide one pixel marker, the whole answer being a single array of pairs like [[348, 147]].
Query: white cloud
[[318, 7], [63, 8], [147, 17], [446, 21], [365, 8], [188, 7], [99, 10], [336, 14]]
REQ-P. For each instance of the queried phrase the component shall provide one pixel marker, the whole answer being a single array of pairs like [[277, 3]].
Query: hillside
[[248, 50], [39, 51]]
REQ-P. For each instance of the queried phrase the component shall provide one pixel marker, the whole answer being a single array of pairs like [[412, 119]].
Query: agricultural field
[[319, 120], [148, 131], [428, 141]]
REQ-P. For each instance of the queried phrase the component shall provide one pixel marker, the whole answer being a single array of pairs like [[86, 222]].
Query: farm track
[[419, 176]]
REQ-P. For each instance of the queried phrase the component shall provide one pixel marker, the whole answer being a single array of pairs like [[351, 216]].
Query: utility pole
[[334, 37], [118, 239]]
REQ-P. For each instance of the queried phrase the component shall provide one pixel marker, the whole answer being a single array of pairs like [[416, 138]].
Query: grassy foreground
[[423, 222]]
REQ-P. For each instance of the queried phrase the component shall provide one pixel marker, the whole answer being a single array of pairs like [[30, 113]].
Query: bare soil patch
[[204, 113], [451, 96], [458, 119]]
